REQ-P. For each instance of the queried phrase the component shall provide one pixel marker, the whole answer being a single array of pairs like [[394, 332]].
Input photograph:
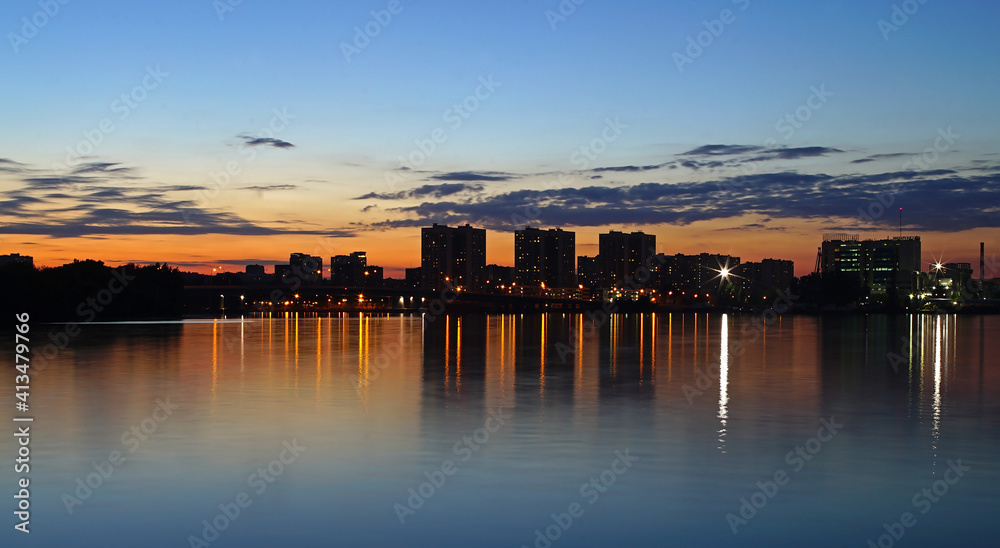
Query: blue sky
[[223, 77]]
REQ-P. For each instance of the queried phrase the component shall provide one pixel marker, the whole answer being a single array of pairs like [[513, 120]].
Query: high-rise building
[[413, 278], [17, 258], [354, 271], [841, 253], [588, 272], [497, 276], [453, 257], [881, 265], [544, 257], [348, 270], [767, 276], [700, 274], [307, 268], [621, 256]]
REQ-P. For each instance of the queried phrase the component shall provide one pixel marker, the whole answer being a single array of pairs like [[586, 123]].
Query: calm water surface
[[703, 408]]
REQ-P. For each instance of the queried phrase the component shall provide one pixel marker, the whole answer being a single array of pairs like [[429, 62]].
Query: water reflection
[[723, 381], [381, 400]]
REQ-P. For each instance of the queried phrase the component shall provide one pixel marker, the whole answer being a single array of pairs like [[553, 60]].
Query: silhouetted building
[[689, 275], [254, 273], [413, 278], [882, 266], [453, 257], [622, 254], [307, 268], [588, 271], [354, 271], [499, 276], [544, 257], [765, 279], [17, 258], [347, 270], [960, 274]]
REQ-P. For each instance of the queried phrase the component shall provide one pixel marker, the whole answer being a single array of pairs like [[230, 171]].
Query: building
[[588, 272], [889, 265], [347, 270], [765, 279], [17, 258], [414, 278], [307, 268], [685, 276], [499, 276], [960, 274], [544, 257], [253, 274], [354, 271], [621, 256], [453, 257], [841, 253]]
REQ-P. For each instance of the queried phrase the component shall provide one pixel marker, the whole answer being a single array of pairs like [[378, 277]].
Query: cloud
[[100, 167], [101, 198], [939, 200], [731, 155], [874, 157], [488, 176], [425, 191], [721, 150], [265, 188], [264, 141], [628, 169]]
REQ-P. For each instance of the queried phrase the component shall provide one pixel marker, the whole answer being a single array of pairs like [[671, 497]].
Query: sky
[[215, 134]]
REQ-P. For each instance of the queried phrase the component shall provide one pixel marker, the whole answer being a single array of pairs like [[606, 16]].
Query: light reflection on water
[[382, 401]]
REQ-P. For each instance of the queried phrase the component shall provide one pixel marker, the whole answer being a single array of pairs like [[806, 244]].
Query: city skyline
[[684, 122], [328, 271]]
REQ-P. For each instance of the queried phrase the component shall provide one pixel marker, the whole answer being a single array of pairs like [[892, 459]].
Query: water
[[517, 415]]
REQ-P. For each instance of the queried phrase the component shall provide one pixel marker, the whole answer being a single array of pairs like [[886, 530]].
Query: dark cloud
[[100, 167], [721, 150], [874, 157], [102, 198], [801, 152], [733, 155], [938, 200], [265, 141], [630, 169], [486, 176], [425, 191]]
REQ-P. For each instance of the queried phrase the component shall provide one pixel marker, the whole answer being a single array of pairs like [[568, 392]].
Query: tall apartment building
[[453, 257], [622, 254], [544, 257]]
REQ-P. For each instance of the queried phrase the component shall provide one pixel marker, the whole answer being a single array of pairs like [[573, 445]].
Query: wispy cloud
[[425, 191], [264, 141], [488, 176]]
